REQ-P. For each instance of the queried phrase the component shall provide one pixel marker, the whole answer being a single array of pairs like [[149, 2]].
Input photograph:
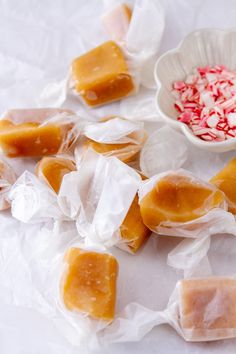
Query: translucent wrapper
[[200, 309], [38, 132], [165, 149], [7, 178], [116, 137], [116, 19], [32, 201], [139, 48], [213, 220], [85, 196]]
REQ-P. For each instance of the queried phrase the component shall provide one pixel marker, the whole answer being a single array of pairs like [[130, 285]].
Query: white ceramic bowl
[[200, 48]]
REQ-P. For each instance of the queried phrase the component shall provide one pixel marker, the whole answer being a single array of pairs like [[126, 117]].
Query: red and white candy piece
[[206, 102]]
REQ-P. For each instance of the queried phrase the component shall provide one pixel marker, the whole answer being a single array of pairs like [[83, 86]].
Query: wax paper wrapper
[[215, 220], [69, 124], [33, 201], [138, 39], [98, 212], [190, 252], [198, 309], [165, 149], [115, 137], [7, 178], [38, 256], [84, 197], [41, 256], [140, 48]]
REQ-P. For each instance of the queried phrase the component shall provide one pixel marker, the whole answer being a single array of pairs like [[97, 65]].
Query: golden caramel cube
[[133, 231], [23, 134], [29, 139], [208, 304], [178, 198], [225, 180], [116, 21], [102, 75], [89, 283], [52, 170], [127, 152]]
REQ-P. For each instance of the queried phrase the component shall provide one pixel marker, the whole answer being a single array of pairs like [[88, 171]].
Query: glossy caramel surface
[[225, 180], [89, 283], [133, 231], [101, 75], [178, 198], [130, 154], [29, 139], [53, 169]]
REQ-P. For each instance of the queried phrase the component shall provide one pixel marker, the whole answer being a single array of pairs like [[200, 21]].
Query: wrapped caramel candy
[[36, 132], [115, 136], [101, 75], [177, 200], [114, 69], [208, 308], [7, 178], [225, 180], [99, 197], [116, 21], [89, 283], [52, 170], [199, 309], [133, 231]]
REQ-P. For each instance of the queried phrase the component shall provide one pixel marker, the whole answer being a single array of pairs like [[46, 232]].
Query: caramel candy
[[208, 308], [116, 21], [178, 198], [225, 180], [102, 75], [89, 283], [125, 152], [133, 231], [52, 170], [25, 137]]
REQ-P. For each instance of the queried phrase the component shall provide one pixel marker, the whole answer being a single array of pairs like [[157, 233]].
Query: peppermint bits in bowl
[[196, 88], [206, 102]]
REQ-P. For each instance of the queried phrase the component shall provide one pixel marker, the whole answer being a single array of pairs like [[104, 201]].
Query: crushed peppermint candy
[[206, 102]]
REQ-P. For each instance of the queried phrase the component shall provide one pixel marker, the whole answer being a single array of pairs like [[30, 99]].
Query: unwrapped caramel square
[[89, 283], [101, 75]]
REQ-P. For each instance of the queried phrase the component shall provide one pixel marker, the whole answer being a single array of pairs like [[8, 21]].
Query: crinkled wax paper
[[37, 44], [140, 48], [84, 197]]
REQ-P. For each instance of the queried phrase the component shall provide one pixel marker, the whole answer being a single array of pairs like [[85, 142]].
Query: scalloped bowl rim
[[220, 146]]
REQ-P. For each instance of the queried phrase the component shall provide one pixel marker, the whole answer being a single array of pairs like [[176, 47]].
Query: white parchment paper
[[34, 49]]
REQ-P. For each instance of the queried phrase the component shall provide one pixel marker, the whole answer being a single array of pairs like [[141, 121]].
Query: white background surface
[[28, 35]]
